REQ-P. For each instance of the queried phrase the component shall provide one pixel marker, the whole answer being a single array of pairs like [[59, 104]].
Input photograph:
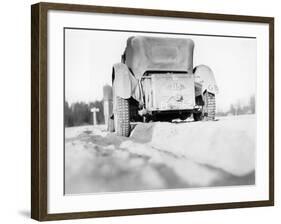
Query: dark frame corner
[[39, 110]]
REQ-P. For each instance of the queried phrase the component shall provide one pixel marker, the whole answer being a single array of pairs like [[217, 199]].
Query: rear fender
[[125, 85], [205, 76]]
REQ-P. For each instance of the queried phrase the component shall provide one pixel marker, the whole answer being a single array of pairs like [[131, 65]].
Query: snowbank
[[228, 144]]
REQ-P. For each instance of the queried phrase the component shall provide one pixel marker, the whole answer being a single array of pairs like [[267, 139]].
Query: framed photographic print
[[138, 111]]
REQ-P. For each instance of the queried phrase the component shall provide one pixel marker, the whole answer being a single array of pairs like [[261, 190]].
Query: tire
[[209, 108], [122, 117], [110, 125], [184, 116], [198, 116]]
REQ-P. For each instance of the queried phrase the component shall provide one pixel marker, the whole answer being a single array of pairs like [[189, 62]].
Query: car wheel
[[209, 108], [122, 117], [184, 116], [197, 116], [110, 125]]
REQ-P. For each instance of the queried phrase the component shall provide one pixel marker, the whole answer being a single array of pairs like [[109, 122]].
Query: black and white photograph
[[144, 111], [147, 111]]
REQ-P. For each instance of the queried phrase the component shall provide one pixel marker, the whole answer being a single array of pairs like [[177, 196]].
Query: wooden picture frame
[[39, 109]]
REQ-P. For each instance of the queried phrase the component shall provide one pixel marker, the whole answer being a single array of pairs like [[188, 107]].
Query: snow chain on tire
[[210, 106], [122, 122]]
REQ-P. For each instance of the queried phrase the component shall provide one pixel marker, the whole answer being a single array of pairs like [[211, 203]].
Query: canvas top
[[145, 53]]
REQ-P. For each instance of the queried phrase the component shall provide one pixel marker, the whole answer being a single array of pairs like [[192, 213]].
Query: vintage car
[[155, 80]]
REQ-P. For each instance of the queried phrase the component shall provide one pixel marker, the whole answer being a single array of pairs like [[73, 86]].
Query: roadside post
[[107, 103], [95, 110]]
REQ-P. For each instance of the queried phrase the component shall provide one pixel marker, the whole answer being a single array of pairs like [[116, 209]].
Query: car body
[[157, 81]]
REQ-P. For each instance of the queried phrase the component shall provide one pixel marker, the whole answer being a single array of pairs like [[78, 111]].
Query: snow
[[226, 144], [161, 155]]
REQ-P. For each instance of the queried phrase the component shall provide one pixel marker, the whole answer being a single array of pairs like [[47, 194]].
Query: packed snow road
[[161, 155]]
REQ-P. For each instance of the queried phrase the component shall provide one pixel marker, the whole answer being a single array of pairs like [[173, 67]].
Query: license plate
[[173, 91]]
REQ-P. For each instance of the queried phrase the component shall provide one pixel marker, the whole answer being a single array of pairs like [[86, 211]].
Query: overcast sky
[[90, 54]]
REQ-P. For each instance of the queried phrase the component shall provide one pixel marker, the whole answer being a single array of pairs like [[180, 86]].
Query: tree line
[[79, 113], [239, 109]]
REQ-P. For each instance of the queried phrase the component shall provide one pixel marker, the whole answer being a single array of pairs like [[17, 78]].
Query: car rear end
[[168, 92]]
